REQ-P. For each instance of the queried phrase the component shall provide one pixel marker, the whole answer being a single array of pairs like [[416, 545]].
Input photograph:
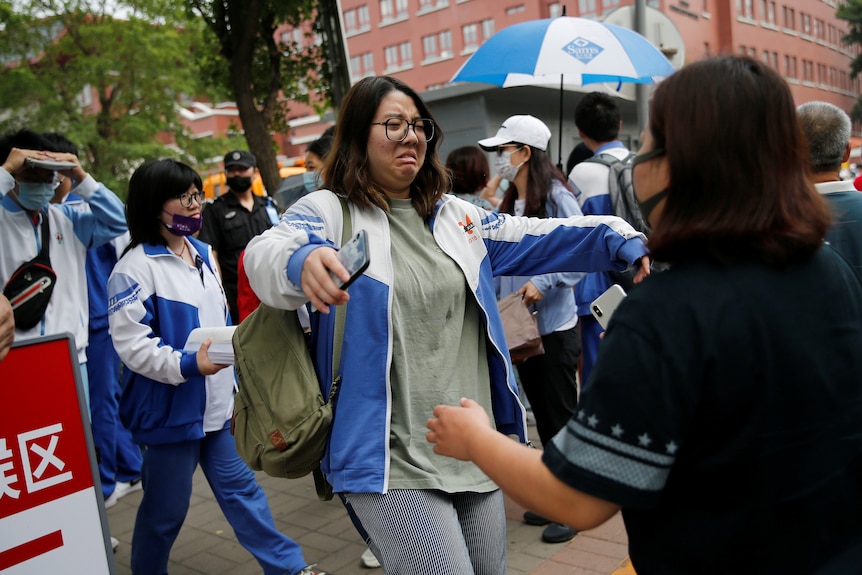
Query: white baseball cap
[[521, 129]]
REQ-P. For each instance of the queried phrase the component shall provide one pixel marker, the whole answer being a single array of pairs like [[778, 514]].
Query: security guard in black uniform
[[234, 218]]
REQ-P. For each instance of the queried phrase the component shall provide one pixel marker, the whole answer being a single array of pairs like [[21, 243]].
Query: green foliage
[[243, 59], [110, 85]]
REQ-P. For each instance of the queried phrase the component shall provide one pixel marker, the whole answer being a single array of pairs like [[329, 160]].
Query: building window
[[350, 26], [406, 51], [446, 44], [554, 10], [806, 23], [362, 65], [398, 56], [470, 34], [587, 7], [515, 10], [401, 8], [386, 10], [429, 47], [610, 3], [436, 46], [429, 5], [356, 20], [789, 18], [487, 28]]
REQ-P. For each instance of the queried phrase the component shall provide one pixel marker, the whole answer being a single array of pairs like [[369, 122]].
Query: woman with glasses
[[177, 403], [724, 411], [421, 326], [537, 189]]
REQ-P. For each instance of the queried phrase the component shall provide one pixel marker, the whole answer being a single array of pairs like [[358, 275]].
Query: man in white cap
[[234, 218]]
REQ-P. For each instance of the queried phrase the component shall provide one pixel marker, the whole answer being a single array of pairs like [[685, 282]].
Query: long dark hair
[[345, 170], [151, 185], [739, 184], [541, 173]]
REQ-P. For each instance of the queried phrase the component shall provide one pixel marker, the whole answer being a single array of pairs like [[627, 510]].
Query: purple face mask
[[183, 225]]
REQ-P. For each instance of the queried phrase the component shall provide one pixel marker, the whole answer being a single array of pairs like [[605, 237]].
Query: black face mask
[[238, 183], [648, 205]]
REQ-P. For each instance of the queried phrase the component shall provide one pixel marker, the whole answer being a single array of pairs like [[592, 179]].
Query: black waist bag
[[31, 285]]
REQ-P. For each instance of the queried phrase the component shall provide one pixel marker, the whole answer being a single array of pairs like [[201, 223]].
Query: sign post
[[52, 516]]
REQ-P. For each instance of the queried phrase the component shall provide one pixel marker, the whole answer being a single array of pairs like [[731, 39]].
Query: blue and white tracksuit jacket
[[153, 304], [483, 244], [74, 229], [557, 307]]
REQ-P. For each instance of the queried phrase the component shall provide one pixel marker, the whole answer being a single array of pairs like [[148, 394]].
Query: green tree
[[851, 11], [262, 73], [111, 85]]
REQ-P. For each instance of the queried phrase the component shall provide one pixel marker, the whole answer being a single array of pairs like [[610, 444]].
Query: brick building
[[424, 42]]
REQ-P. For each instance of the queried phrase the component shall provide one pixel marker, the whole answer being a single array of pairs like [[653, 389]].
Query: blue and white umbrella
[[568, 52], [582, 51]]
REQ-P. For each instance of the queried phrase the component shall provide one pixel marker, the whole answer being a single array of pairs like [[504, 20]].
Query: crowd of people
[[720, 411]]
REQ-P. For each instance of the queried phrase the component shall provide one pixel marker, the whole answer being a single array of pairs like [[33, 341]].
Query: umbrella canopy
[[567, 51], [582, 51]]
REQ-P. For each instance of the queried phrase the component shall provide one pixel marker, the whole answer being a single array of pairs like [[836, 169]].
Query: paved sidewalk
[[207, 546]]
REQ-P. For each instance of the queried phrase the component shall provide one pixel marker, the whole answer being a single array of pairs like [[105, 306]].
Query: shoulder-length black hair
[[738, 161], [540, 179], [151, 185], [345, 170]]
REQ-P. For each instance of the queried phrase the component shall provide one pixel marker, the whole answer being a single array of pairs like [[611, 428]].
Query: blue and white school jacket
[[483, 244], [155, 300], [100, 218]]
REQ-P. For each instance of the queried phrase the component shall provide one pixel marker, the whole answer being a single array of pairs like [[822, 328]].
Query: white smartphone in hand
[[604, 306], [354, 257]]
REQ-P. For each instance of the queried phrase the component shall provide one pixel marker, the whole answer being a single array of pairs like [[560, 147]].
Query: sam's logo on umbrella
[[583, 50]]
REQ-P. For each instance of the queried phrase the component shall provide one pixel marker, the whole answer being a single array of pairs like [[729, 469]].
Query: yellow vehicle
[[214, 184]]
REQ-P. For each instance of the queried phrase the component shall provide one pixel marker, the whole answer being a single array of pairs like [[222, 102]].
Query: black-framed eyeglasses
[[398, 128], [501, 149], [187, 198]]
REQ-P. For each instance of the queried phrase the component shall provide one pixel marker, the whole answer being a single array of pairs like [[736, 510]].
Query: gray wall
[[469, 112]]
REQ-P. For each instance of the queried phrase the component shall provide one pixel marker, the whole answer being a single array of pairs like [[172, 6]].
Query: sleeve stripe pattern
[[608, 457]]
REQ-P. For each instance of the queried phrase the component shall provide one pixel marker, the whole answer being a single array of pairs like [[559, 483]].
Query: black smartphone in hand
[[354, 257]]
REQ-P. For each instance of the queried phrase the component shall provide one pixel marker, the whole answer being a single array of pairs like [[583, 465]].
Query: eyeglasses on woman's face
[[398, 128], [187, 198]]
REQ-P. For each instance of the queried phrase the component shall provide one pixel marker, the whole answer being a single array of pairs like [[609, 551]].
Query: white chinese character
[[6, 480], [32, 476]]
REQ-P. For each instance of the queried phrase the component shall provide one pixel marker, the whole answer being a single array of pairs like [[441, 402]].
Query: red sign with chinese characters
[[49, 514]]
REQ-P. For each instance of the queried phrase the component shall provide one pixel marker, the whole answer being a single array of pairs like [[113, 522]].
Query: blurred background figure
[[827, 129], [470, 182]]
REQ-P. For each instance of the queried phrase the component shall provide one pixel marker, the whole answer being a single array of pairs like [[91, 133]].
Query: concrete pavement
[[207, 545]]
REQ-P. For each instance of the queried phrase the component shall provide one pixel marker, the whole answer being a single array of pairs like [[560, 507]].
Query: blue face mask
[[35, 195], [312, 181]]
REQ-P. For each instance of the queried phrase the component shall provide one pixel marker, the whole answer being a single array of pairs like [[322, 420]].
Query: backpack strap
[[340, 310], [321, 485], [44, 255]]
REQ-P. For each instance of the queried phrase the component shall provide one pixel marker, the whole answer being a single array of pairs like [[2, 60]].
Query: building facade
[[424, 43]]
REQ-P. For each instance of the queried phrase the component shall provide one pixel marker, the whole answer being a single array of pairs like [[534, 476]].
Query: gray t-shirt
[[438, 356]]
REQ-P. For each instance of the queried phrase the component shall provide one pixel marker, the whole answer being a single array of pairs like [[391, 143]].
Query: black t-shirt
[[228, 227], [724, 414]]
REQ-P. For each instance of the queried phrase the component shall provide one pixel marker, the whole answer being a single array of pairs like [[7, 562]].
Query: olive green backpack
[[281, 421]]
